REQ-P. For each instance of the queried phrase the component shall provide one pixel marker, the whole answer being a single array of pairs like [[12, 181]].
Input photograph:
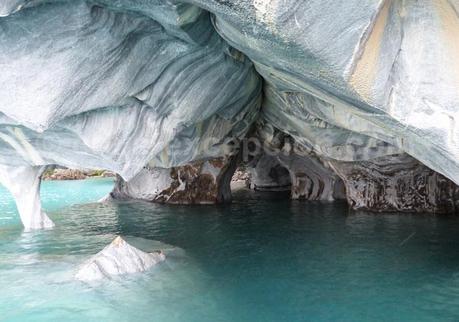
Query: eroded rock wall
[[119, 86], [397, 183], [280, 163], [268, 174], [312, 179], [201, 182], [373, 70]]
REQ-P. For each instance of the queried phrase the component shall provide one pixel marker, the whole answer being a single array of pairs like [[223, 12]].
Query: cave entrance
[[264, 177]]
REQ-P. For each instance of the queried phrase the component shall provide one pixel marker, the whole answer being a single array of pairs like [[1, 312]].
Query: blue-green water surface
[[259, 259]]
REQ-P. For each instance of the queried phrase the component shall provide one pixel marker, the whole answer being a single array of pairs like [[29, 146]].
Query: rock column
[[24, 184]]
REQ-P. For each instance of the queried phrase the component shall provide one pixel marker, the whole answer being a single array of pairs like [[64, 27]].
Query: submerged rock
[[118, 258]]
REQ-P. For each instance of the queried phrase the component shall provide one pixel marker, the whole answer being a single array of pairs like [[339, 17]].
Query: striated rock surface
[[156, 86], [350, 77], [116, 259], [118, 86]]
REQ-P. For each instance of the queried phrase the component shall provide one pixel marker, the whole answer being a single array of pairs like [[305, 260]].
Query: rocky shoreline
[[75, 174]]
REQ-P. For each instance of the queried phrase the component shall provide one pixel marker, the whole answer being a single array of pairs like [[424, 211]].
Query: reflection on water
[[259, 259]]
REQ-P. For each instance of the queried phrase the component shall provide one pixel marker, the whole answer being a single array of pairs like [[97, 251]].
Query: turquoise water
[[255, 260]]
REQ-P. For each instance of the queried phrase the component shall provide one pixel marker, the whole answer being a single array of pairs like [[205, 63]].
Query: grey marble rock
[[127, 84]]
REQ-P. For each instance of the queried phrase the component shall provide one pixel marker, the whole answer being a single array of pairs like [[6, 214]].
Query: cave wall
[[397, 183], [130, 85]]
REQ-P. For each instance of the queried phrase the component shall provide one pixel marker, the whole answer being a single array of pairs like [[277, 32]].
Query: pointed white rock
[[118, 258]]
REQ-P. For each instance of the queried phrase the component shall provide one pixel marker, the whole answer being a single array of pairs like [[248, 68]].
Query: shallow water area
[[259, 259]]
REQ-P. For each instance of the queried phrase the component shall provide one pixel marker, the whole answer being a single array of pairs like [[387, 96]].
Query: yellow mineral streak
[[364, 74], [450, 34]]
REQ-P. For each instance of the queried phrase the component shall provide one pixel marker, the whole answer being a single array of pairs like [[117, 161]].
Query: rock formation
[[397, 183], [200, 182], [283, 164], [157, 89], [311, 178], [116, 259], [24, 184], [267, 174]]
